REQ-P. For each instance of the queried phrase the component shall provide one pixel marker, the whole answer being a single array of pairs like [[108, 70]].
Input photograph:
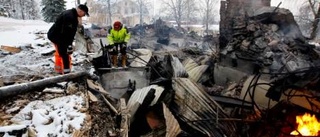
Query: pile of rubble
[[280, 68], [266, 75], [271, 40]]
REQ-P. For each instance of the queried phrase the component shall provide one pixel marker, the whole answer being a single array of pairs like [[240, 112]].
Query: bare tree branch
[[312, 7], [315, 24], [181, 10], [208, 12]]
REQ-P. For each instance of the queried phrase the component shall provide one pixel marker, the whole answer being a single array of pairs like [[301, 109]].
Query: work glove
[[110, 46], [70, 49], [124, 46], [128, 47]]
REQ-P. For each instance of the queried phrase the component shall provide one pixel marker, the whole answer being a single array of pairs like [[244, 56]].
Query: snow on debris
[[58, 117]]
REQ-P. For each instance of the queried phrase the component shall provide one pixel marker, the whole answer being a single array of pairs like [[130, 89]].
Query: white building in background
[[126, 11]]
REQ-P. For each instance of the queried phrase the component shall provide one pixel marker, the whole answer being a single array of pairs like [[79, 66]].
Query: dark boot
[[114, 61], [124, 61]]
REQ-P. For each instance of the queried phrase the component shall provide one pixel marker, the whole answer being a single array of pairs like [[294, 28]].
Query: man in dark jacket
[[62, 33]]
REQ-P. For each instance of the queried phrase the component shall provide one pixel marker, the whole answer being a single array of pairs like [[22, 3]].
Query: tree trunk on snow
[[22, 9], [315, 23], [207, 15], [26, 87], [109, 19]]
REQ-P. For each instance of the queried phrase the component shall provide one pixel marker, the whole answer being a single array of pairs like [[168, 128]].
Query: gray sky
[[292, 5]]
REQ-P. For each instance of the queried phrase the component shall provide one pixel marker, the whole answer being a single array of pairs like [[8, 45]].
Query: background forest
[[204, 12]]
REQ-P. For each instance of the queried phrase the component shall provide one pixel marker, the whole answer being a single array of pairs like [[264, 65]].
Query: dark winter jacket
[[62, 32]]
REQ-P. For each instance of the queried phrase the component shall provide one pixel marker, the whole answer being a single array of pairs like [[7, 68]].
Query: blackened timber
[[232, 102], [34, 85], [124, 118], [109, 104]]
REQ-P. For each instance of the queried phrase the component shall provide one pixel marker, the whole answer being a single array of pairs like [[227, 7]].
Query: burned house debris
[[267, 44], [260, 77]]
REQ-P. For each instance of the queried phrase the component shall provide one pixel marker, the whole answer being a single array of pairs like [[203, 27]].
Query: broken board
[[123, 68]]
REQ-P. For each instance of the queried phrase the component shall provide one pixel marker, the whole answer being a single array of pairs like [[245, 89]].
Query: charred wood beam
[[124, 118], [96, 88], [99, 91], [232, 102], [31, 86], [227, 119], [109, 104]]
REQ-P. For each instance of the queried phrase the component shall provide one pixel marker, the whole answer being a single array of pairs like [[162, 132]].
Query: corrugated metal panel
[[189, 64], [172, 125], [195, 107], [178, 68], [193, 69], [139, 95], [196, 73]]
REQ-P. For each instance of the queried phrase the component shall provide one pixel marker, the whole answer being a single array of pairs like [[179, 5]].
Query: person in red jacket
[[62, 33]]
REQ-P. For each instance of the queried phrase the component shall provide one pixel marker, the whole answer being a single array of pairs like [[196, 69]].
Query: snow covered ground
[[57, 117], [21, 34], [34, 57]]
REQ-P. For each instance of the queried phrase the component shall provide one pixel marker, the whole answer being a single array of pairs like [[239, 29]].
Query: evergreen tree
[[3, 11], [51, 9]]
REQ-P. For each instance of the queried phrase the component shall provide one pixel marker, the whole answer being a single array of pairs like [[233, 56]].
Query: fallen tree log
[[26, 87]]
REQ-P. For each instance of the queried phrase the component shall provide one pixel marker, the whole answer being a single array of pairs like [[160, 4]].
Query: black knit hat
[[84, 8]]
